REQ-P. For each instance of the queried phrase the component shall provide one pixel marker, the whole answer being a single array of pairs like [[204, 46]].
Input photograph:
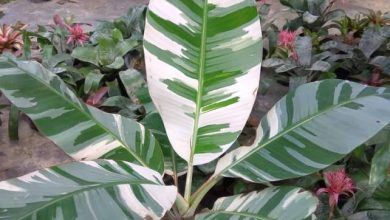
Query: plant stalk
[[187, 191], [171, 215], [331, 213], [181, 204], [174, 168], [200, 193]]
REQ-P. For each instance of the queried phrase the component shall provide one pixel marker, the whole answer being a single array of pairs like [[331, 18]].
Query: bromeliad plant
[[356, 50], [203, 62], [302, 61], [11, 38], [315, 16], [94, 64]]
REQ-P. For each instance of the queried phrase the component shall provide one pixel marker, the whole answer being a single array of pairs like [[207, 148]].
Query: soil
[[32, 151], [86, 11]]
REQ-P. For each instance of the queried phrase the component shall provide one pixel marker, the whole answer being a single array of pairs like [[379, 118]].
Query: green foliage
[[109, 51], [91, 68], [313, 15], [340, 46], [130, 25], [380, 163]]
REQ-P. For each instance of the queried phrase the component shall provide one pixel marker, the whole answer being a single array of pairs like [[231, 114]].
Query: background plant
[[95, 68], [330, 44]]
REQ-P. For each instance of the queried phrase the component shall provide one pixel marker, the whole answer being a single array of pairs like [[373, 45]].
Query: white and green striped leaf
[[281, 203], [83, 132], [101, 189], [174, 165], [203, 61], [310, 129]]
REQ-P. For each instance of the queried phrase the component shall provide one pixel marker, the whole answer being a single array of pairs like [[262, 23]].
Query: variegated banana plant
[[203, 60]]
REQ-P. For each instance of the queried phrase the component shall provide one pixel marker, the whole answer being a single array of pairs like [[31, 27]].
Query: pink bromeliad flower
[[337, 183], [287, 38], [77, 35]]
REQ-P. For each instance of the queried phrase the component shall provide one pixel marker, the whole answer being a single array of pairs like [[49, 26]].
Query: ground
[[33, 151], [92, 10], [88, 11]]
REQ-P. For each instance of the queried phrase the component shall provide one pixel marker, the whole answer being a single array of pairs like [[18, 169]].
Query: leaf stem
[[187, 192], [203, 190], [181, 204], [174, 168], [200, 193], [171, 215], [330, 217]]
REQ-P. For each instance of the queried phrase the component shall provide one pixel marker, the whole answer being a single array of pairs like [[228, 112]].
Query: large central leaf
[[203, 61], [84, 132], [102, 189]]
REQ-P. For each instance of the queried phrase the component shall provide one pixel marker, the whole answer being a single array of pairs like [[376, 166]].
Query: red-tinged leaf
[[96, 98]]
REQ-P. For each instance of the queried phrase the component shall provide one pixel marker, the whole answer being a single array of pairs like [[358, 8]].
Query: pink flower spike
[[337, 183], [287, 38], [77, 35], [58, 21]]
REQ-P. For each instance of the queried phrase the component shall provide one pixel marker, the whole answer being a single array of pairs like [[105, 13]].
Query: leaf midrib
[[83, 190], [250, 153], [244, 214], [202, 61], [79, 109]]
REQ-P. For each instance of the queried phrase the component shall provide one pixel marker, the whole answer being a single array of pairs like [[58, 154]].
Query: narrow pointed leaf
[[136, 88], [309, 18], [310, 129], [203, 63], [372, 39], [13, 123], [173, 164], [281, 203], [133, 81], [92, 81], [86, 54], [84, 132], [370, 215], [304, 47], [101, 189], [380, 163], [383, 63]]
